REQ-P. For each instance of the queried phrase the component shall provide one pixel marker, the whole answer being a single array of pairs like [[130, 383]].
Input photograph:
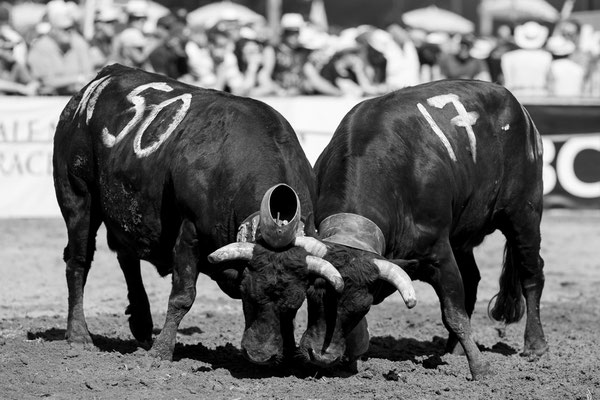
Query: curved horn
[[395, 275], [311, 245], [326, 270], [232, 251]]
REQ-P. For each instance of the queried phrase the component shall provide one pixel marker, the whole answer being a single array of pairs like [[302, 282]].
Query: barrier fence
[[570, 133]]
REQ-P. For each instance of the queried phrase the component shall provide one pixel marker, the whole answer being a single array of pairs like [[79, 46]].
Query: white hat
[[108, 14], [137, 8], [531, 35], [60, 14], [560, 46], [132, 37], [292, 21]]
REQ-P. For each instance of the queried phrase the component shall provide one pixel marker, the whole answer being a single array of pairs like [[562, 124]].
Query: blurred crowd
[[530, 59]]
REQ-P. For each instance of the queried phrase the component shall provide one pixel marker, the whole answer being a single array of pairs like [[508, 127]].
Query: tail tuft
[[509, 306]]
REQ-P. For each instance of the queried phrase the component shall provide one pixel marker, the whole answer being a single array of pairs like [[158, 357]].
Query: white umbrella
[[435, 19], [210, 14], [520, 10]]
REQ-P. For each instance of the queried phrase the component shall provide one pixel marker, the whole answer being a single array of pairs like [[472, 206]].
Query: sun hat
[[531, 35]]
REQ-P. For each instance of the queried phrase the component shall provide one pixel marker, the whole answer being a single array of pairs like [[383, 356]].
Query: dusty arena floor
[[405, 360]]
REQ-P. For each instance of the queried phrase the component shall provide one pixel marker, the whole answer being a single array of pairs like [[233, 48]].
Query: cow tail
[[510, 305]]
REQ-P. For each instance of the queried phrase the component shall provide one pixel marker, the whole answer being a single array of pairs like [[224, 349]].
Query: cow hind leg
[[183, 290], [82, 222], [522, 277], [140, 318], [470, 278], [448, 285]]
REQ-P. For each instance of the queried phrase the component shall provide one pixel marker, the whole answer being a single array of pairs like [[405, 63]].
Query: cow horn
[[232, 251], [326, 270], [279, 215], [311, 245], [395, 275]]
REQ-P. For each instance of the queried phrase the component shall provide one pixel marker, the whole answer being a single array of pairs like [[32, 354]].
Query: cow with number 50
[[193, 181], [410, 183]]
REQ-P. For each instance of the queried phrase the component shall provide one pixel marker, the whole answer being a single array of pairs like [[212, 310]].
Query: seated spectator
[[60, 59], [101, 44], [256, 61], [14, 75], [403, 62], [225, 66], [339, 75], [566, 76], [504, 44], [462, 65], [132, 45], [290, 57], [169, 57], [526, 69], [199, 61]]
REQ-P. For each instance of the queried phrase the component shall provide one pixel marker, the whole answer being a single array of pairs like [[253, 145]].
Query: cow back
[[444, 156]]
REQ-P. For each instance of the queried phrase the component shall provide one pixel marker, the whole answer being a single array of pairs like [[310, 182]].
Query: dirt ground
[[405, 360]]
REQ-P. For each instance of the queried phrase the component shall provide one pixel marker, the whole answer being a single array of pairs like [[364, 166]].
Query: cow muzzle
[[262, 347]]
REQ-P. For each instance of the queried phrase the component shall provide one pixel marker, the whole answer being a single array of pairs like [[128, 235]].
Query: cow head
[[336, 321], [275, 278]]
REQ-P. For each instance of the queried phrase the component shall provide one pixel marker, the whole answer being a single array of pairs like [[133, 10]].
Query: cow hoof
[[79, 347], [350, 366], [160, 354], [482, 371], [535, 351]]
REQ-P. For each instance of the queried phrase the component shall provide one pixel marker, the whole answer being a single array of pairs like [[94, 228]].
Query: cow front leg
[[183, 290], [448, 285], [470, 277], [140, 318]]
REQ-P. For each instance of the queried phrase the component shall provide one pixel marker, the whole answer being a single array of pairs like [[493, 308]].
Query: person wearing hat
[[102, 44], [60, 59], [132, 46], [169, 57], [526, 69], [14, 75], [256, 61], [462, 65], [290, 56]]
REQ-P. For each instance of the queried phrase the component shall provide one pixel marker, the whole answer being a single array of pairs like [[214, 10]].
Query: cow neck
[[353, 230]]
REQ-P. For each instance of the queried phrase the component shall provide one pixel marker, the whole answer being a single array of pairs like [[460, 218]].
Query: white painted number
[[465, 119], [93, 91], [139, 103]]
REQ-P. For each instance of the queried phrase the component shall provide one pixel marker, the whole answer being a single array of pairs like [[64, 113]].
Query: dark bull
[[172, 171]]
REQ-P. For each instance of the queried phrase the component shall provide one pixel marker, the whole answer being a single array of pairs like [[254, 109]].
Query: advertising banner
[[571, 136]]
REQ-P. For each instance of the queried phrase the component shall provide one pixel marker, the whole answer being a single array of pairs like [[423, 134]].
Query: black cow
[[172, 171], [420, 176]]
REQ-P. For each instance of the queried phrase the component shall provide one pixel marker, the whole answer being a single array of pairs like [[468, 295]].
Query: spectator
[[60, 59], [290, 57], [462, 65], [132, 45], [169, 57], [102, 45], [225, 66], [14, 75], [256, 61], [526, 69], [199, 61], [566, 76], [504, 44], [403, 62]]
